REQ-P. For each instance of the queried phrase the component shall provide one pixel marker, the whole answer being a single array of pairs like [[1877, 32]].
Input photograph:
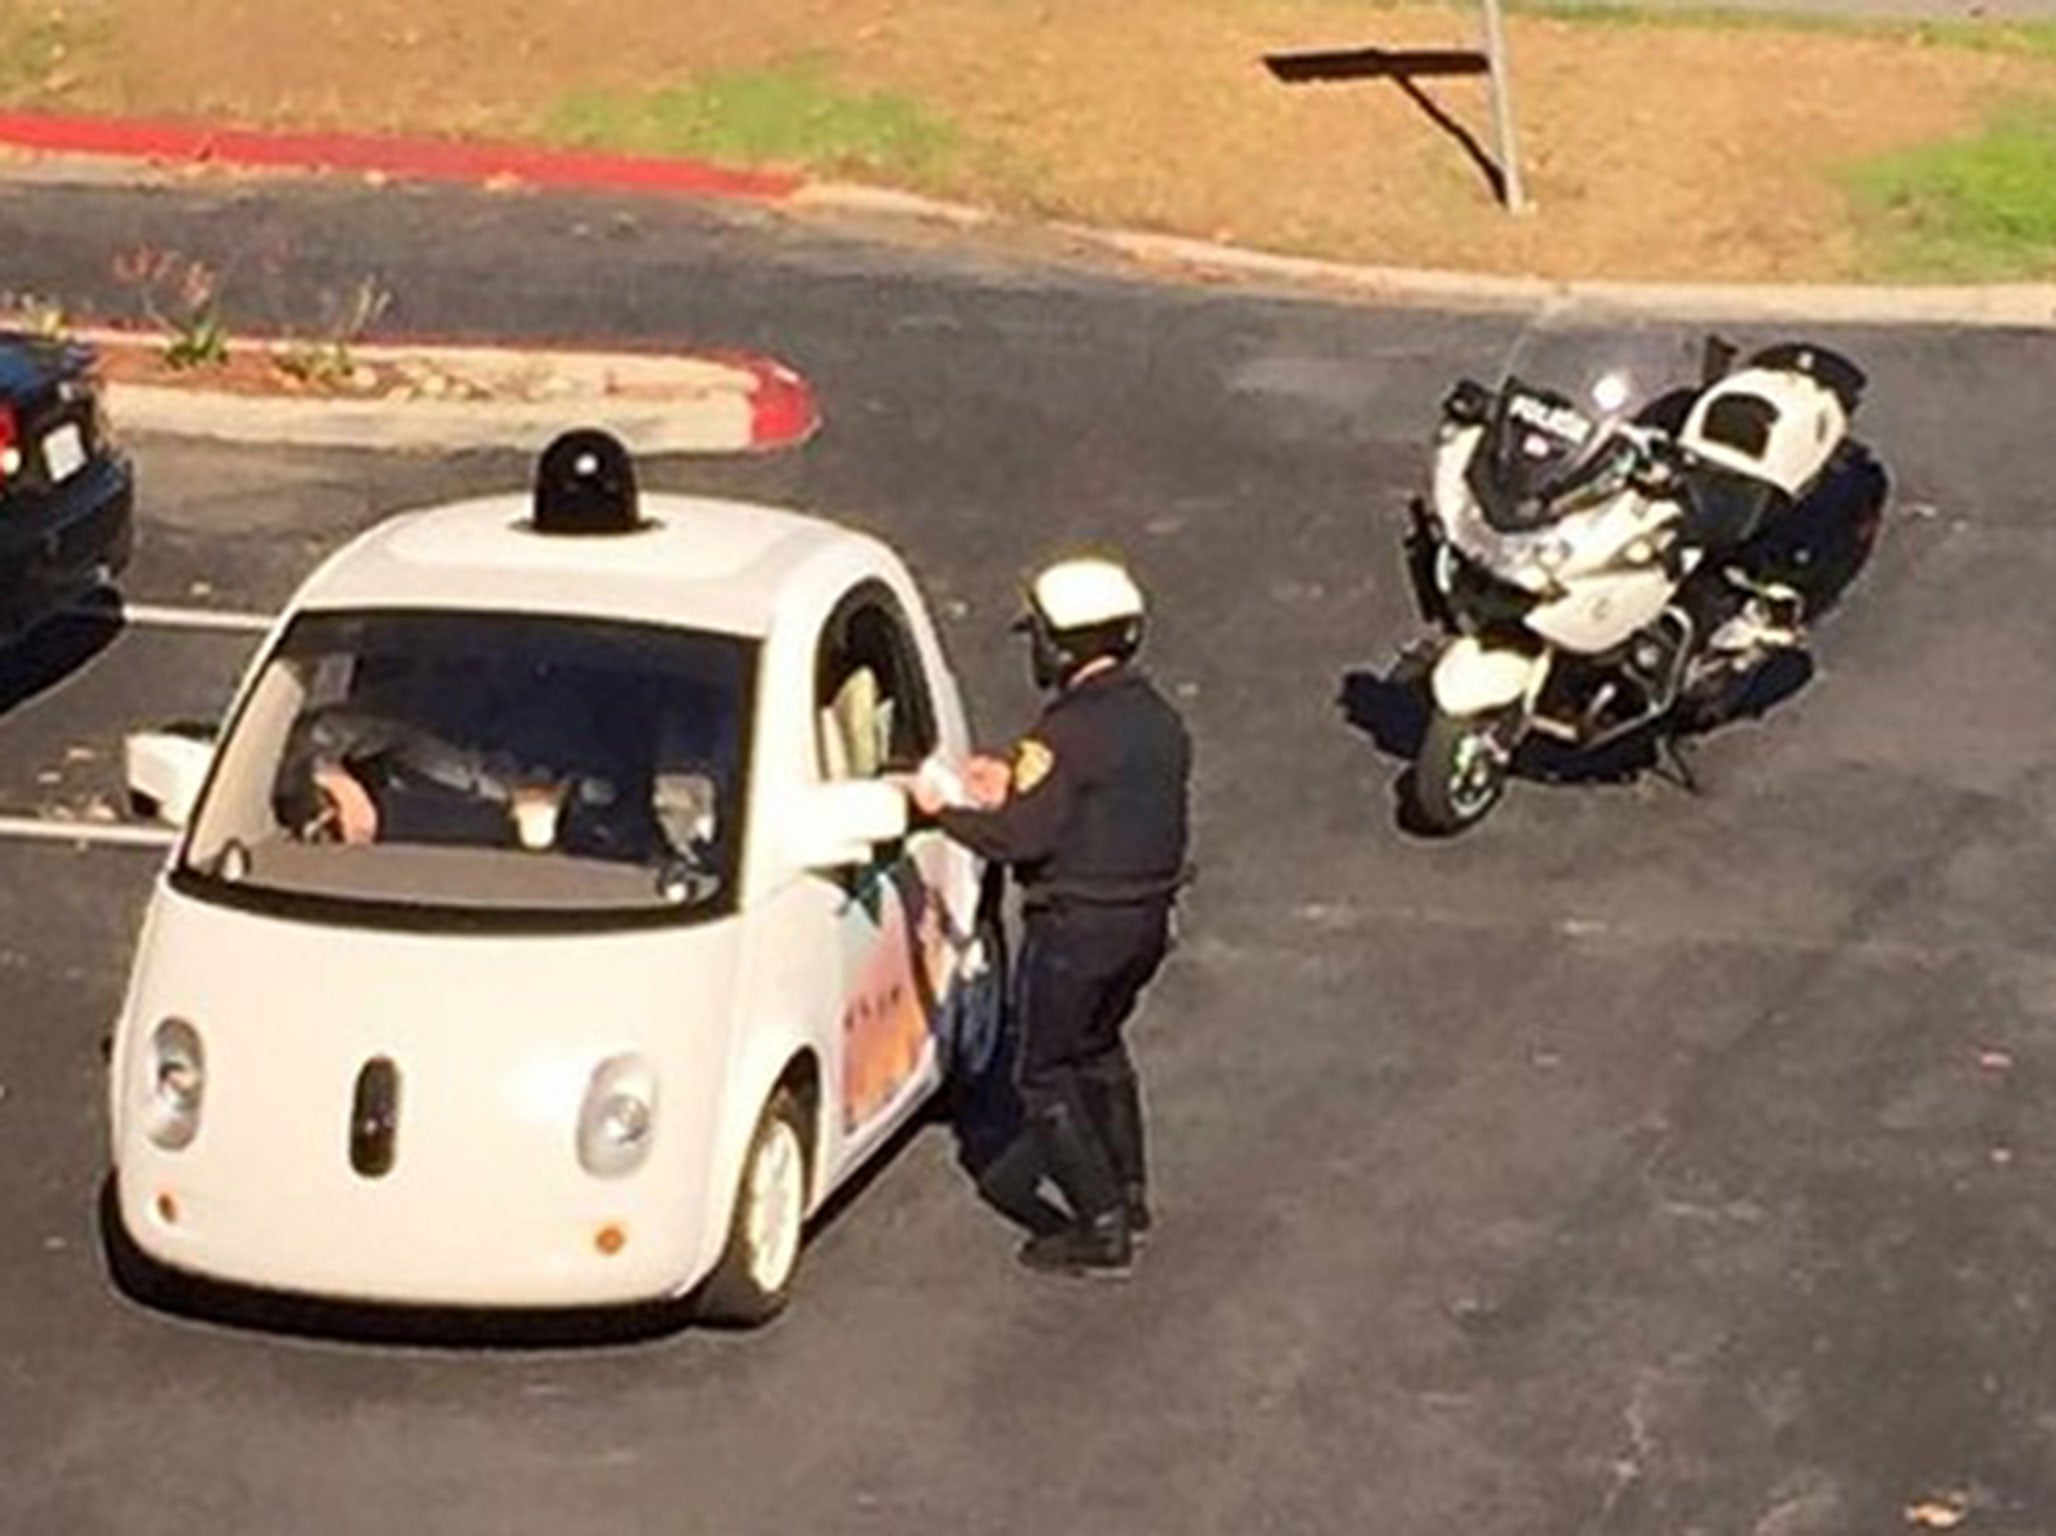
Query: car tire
[[977, 1007], [753, 1280]]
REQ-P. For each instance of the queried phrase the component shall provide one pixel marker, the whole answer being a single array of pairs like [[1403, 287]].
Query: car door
[[875, 714]]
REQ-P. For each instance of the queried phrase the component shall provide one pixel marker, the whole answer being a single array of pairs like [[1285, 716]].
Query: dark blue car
[[67, 497]]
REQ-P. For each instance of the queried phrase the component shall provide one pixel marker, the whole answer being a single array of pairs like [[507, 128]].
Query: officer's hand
[[988, 781]]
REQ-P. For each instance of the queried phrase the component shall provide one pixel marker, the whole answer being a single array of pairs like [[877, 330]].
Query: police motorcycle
[[1602, 548]]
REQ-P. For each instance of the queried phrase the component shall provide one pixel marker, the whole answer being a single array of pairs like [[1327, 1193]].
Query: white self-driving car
[[542, 930]]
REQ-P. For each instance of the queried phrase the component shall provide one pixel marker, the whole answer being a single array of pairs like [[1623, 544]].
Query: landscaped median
[[1698, 146], [431, 396]]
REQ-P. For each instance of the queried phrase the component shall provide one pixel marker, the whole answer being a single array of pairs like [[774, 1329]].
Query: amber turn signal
[[610, 1240]]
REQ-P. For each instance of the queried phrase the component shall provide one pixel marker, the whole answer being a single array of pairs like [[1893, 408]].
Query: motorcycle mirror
[[1469, 404], [1717, 361]]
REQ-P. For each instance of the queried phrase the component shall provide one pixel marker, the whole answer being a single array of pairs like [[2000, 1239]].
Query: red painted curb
[[783, 407], [421, 159]]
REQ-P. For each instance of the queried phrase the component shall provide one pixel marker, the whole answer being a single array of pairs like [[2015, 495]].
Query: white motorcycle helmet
[[1079, 611]]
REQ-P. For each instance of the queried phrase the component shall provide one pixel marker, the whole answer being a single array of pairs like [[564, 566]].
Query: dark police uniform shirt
[[1097, 810]]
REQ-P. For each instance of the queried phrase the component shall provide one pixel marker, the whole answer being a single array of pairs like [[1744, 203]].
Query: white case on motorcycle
[[1826, 367]]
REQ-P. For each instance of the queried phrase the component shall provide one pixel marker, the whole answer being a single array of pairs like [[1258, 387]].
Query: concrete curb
[[84, 146], [2014, 305], [854, 197], [397, 155], [655, 403]]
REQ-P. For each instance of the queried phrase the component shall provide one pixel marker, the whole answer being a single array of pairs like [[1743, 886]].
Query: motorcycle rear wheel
[[1460, 772]]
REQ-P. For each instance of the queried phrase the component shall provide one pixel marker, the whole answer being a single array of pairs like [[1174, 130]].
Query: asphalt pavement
[[1645, 1162]]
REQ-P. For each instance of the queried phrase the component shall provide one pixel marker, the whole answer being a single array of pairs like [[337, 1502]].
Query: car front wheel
[[753, 1281]]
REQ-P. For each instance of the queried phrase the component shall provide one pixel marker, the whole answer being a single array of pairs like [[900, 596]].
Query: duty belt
[[1132, 891]]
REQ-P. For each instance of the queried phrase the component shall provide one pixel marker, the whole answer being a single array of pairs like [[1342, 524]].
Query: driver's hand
[[537, 811], [349, 811], [918, 788]]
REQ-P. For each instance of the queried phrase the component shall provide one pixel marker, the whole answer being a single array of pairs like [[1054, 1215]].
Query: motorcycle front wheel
[[1460, 772]]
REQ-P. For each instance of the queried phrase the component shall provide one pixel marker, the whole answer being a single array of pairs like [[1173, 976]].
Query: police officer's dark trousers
[[1082, 966]]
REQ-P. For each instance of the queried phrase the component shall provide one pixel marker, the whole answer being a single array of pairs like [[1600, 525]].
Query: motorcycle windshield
[[1571, 383]]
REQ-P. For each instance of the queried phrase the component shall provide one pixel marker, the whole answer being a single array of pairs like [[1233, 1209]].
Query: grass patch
[[1703, 18], [2017, 38], [1977, 209], [41, 52], [2029, 39], [2025, 38], [791, 113]]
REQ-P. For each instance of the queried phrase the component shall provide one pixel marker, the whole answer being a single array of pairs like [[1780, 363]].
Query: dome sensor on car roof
[[585, 483]]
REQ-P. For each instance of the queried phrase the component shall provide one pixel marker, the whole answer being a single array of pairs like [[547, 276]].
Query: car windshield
[[484, 761], [1571, 381]]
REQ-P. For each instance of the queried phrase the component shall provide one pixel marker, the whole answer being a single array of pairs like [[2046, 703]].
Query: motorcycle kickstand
[[1674, 762]]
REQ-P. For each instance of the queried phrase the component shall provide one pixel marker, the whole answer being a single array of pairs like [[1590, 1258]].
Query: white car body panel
[[495, 1039], [711, 564], [496, 1034]]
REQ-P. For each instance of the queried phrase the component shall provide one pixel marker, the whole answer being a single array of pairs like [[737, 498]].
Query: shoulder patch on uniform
[[1032, 763]]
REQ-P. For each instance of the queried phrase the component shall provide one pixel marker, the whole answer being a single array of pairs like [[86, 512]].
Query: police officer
[[1091, 816]]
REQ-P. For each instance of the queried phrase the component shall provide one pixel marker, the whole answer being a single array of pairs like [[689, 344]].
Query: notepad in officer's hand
[[943, 781]]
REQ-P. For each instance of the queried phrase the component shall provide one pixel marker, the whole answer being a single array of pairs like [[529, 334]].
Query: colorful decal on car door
[[893, 1006]]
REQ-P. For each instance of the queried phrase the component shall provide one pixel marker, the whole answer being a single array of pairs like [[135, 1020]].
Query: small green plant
[[1979, 208], [795, 112], [181, 297], [328, 361]]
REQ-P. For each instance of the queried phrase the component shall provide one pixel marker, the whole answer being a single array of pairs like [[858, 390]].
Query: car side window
[[871, 701]]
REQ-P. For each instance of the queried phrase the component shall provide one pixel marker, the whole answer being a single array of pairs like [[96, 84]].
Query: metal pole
[[1502, 109]]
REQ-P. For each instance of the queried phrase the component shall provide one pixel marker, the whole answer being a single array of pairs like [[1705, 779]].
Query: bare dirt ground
[[1650, 151]]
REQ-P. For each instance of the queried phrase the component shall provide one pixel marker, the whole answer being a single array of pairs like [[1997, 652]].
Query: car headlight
[[618, 1121], [177, 1065]]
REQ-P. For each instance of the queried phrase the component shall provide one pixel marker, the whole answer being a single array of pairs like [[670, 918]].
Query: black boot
[[1116, 1105], [1097, 1239], [1009, 1184], [1099, 1248]]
